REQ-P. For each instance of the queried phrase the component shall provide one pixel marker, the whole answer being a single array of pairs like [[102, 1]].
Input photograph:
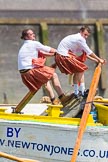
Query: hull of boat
[[52, 142]]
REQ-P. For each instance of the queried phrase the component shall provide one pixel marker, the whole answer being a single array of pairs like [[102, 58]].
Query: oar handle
[[86, 111], [11, 157]]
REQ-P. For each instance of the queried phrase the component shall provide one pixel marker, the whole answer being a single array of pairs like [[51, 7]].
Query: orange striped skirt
[[72, 63], [35, 78]]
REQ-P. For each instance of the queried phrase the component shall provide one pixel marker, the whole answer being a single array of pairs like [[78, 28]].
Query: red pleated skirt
[[37, 77], [72, 63]]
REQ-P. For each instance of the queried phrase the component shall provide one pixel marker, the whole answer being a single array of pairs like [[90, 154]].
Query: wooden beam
[[101, 52], [51, 21], [24, 101]]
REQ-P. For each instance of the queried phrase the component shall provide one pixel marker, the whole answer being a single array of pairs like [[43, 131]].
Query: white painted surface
[[52, 143], [30, 109]]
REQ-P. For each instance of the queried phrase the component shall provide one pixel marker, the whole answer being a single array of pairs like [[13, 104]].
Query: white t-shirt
[[28, 51], [75, 43]]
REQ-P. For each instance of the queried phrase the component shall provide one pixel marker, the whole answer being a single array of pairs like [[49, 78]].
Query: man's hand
[[102, 61]]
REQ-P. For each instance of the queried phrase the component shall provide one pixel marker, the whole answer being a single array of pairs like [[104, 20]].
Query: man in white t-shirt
[[70, 62], [31, 64]]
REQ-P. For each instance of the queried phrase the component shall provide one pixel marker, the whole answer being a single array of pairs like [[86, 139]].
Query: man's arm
[[50, 53], [95, 58]]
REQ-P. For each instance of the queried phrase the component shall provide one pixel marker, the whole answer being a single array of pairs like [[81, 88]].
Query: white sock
[[76, 89], [82, 88]]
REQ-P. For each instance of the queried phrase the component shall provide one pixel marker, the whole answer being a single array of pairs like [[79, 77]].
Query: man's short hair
[[83, 28], [24, 33]]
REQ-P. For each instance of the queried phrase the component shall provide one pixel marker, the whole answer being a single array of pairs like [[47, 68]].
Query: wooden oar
[[24, 101], [14, 158], [86, 111]]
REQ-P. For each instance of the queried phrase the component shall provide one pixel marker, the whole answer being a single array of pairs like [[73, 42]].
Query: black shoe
[[85, 93], [77, 96]]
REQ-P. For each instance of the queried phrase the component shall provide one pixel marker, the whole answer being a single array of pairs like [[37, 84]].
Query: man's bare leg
[[56, 84]]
